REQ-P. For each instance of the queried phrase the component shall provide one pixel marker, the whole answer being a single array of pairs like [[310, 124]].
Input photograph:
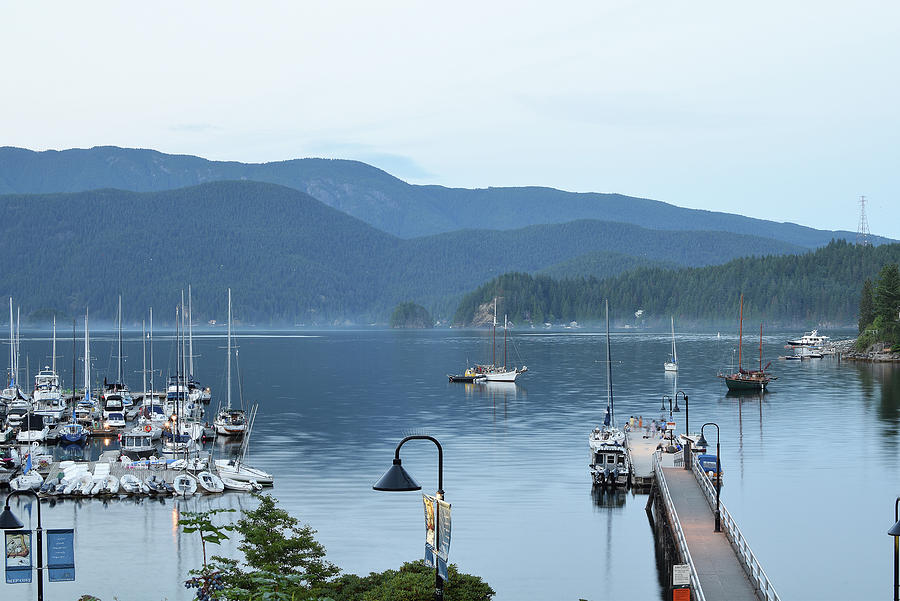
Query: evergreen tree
[[866, 306]]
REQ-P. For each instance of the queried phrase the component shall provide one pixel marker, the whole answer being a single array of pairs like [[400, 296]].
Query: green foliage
[[201, 522], [411, 315], [789, 290], [414, 581], [288, 257], [866, 305]]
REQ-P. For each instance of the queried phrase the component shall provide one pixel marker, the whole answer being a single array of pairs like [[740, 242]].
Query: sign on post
[[681, 574], [61, 555], [681, 594], [18, 556]]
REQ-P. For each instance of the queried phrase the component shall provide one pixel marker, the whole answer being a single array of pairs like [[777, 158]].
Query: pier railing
[[739, 542], [678, 533]]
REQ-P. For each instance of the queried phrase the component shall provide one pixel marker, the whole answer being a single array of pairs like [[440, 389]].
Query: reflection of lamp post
[[702, 442], [8, 521], [895, 532], [397, 479]]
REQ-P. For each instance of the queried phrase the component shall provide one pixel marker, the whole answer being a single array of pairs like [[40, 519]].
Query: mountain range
[[374, 196]]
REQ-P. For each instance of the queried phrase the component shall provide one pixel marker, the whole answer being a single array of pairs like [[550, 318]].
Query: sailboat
[[13, 393], [228, 421], [672, 363], [195, 391], [72, 433], [47, 397], [609, 460], [746, 379], [86, 410], [236, 469], [494, 372]]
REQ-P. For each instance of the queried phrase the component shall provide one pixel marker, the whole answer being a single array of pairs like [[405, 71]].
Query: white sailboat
[[610, 463], [228, 421], [672, 363], [236, 469], [13, 392], [494, 372]]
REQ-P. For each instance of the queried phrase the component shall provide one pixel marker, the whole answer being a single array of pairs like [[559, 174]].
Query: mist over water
[[811, 467]]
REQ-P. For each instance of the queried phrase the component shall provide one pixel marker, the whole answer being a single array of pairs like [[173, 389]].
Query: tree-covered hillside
[[375, 197], [820, 287], [288, 257]]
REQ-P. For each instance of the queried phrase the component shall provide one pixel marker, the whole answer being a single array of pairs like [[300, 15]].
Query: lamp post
[[702, 442], [895, 532], [686, 410], [8, 521], [397, 479]]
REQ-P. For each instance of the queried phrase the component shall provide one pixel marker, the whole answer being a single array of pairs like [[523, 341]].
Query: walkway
[[722, 577]]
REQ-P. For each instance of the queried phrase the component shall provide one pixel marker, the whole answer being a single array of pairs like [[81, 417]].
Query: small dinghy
[[130, 484], [109, 487], [236, 485], [185, 485], [85, 486], [156, 486], [210, 483]]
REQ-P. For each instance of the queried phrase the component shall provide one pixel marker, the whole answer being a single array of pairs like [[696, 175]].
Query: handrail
[[676, 527], [739, 542]]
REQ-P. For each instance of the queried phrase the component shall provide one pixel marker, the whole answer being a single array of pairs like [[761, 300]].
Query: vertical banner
[[61, 555], [18, 556], [437, 534]]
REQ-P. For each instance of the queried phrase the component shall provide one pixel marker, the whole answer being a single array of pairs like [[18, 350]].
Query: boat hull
[[745, 383]]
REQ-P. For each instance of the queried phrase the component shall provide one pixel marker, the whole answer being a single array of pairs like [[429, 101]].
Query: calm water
[[812, 467]]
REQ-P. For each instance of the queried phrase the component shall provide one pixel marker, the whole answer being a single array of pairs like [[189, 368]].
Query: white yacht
[[228, 421], [494, 372], [810, 339]]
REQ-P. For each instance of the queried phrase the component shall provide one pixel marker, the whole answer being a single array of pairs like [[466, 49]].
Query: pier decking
[[723, 567]]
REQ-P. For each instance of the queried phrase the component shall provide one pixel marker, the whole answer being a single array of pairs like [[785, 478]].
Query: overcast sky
[[780, 110]]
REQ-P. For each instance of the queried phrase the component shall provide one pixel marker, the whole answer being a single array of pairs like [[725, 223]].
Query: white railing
[[680, 541], [751, 564]]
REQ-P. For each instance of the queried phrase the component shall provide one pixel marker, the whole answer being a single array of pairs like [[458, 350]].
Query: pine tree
[[866, 306]]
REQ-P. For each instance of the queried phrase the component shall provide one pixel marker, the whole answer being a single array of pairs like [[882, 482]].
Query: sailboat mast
[[12, 349], [18, 323], [674, 355], [87, 358], [144, 357], [190, 336], [228, 385], [505, 326], [151, 355], [609, 394], [74, 360], [494, 337], [53, 348], [760, 347], [119, 376], [741, 335]]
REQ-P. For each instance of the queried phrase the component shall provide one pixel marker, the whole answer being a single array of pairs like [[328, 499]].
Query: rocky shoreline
[[877, 353]]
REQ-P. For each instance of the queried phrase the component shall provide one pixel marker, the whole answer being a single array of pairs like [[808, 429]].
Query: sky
[[779, 110]]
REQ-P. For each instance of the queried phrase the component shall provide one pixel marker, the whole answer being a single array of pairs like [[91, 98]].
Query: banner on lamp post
[[18, 556], [61, 555]]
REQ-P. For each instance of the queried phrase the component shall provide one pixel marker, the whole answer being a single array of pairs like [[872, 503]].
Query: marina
[[488, 430]]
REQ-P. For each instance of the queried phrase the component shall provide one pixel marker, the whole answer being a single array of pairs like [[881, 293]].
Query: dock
[[642, 444], [722, 565]]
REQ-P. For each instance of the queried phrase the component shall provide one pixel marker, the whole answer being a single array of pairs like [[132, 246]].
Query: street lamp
[[397, 479], [662, 403], [895, 532], [702, 442], [8, 521], [686, 410]]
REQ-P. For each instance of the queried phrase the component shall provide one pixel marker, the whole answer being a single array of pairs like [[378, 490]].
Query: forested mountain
[[820, 287], [374, 196], [601, 264], [288, 257]]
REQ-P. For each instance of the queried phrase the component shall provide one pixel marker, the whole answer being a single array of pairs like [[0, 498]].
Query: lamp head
[[397, 479], [8, 521], [702, 441], [895, 530]]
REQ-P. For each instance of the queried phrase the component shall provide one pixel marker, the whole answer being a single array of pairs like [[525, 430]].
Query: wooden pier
[[722, 565]]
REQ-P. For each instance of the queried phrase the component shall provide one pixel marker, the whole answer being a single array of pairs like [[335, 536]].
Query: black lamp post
[[686, 410], [8, 521], [702, 442], [662, 403], [895, 532], [397, 479]]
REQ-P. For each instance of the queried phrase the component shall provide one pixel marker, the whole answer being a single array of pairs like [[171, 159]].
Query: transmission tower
[[862, 232]]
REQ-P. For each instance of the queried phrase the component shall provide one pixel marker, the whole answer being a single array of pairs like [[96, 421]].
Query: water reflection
[[608, 498]]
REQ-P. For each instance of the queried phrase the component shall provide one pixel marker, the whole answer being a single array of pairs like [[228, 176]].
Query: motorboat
[[115, 419], [230, 422], [137, 444], [33, 429], [210, 483], [240, 485], [810, 339]]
